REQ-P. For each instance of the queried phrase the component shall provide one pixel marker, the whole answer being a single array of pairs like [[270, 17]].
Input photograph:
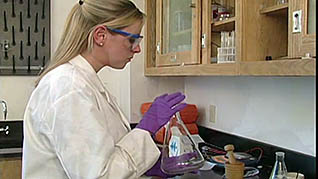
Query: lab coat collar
[[81, 63]]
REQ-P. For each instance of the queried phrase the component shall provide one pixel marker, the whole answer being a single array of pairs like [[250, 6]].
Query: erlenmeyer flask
[[279, 170], [179, 153]]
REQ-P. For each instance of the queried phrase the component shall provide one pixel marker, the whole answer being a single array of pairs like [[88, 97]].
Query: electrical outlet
[[297, 21], [212, 110]]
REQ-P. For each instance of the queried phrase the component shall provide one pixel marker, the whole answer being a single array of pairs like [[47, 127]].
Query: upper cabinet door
[[308, 39], [303, 28], [178, 32]]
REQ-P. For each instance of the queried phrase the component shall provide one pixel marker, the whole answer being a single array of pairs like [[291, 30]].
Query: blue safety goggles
[[134, 39]]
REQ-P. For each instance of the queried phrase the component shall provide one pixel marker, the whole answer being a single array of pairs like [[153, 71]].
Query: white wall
[[279, 111], [15, 91]]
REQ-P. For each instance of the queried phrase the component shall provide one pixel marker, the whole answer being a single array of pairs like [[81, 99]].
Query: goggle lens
[[134, 39], [134, 42]]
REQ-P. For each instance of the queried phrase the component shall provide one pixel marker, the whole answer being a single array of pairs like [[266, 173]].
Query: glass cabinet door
[[308, 39], [311, 17], [178, 34]]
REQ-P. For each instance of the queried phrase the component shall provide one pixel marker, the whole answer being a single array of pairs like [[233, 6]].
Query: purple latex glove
[[156, 171], [160, 112], [176, 165], [170, 165]]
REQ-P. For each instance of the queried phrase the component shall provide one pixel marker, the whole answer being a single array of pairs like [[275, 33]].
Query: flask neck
[[280, 158]]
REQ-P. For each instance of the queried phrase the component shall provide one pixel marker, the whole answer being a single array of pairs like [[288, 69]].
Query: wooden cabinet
[[11, 168], [262, 29], [274, 38]]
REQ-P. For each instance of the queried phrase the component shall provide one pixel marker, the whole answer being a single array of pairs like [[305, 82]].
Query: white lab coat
[[74, 129]]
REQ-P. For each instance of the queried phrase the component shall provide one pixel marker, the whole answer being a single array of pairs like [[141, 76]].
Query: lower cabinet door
[[10, 168]]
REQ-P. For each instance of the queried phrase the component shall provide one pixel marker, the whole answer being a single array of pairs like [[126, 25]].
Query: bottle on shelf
[[281, 2], [226, 53]]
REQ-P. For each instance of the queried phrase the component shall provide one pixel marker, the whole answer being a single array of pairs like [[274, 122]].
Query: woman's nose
[[137, 49]]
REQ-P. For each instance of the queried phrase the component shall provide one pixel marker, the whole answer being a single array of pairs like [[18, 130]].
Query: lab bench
[[218, 174], [295, 161]]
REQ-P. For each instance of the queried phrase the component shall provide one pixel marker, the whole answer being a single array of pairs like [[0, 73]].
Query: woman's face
[[119, 48]]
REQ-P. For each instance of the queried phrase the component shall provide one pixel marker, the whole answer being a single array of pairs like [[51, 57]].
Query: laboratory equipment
[[279, 170], [180, 154], [226, 53], [233, 169]]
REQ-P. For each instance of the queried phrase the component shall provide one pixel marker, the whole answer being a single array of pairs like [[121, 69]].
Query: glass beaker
[[180, 154]]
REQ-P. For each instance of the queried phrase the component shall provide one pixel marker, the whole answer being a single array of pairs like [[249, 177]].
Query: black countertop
[[215, 174], [295, 161]]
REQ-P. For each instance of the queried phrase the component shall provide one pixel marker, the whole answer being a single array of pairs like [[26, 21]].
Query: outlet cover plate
[[212, 111]]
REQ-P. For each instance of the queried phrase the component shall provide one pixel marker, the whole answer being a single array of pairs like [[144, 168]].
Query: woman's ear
[[99, 35]]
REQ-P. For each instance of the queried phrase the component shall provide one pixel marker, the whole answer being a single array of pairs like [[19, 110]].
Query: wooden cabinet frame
[[243, 66]]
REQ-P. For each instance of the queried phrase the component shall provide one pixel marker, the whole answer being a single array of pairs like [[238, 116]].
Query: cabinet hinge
[[203, 39], [158, 47]]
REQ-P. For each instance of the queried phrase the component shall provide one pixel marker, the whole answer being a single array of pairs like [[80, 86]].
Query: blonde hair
[[81, 22]]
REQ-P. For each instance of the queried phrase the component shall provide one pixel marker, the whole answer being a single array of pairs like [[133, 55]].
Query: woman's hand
[[160, 112]]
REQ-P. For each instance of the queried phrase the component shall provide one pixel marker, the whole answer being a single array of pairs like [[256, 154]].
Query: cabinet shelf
[[277, 9], [222, 69], [224, 25], [227, 21], [296, 67]]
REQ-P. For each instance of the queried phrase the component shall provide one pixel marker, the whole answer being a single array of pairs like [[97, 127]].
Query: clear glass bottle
[[279, 170]]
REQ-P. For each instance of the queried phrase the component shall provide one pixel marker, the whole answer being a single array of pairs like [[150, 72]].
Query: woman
[[72, 126]]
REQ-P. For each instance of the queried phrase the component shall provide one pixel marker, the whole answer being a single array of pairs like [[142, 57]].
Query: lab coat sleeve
[[130, 144], [84, 147]]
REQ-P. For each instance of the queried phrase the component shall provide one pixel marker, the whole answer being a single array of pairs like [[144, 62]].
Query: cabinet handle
[[192, 5]]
